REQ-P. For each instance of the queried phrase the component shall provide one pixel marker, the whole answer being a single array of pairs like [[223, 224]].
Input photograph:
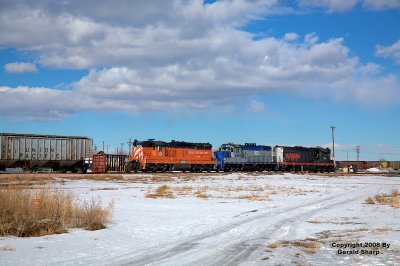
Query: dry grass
[[104, 188], [315, 221], [163, 191], [395, 202], [54, 176], [7, 248], [184, 191], [381, 198], [161, 178], [47, 210], [92, 216], [370, 200], [201, 192], [254, 197], [346, 221], [392, 200], [309, 246], [273, 245]]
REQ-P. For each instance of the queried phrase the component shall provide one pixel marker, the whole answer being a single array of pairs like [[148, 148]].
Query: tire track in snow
[[239, 252], [242, 246]]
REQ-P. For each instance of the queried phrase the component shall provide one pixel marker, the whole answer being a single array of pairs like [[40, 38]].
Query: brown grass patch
[[183, 191], [104, 188], [395, 202], [254, 197], [7, 248], [163, 191], [92, 216], [309, 246], [381, 198], [161, 179], [201, 195], [314, 222], [273, 245], [53, 176], [202, 192], [382, 230], [392, 199], [370, 200], [46, 211]]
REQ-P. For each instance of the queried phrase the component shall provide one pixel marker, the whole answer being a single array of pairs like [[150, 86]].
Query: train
[[160, 156], [252, 157], [73, 153]]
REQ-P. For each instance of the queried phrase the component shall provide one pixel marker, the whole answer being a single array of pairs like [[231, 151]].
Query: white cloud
[[309, 68], [330, 5], [75, 36], [381, 4], [345, 5], [392, 51], [180, 56], [256, 106], [20, 67], [36, 103], [291, 36]]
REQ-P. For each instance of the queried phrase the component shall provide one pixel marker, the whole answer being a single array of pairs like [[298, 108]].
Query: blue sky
[[270, 72]]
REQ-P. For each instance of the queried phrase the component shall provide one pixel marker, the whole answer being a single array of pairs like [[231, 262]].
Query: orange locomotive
[[151, 155]]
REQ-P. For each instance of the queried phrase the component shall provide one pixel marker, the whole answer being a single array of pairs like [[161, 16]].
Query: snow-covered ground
[[225, 219]]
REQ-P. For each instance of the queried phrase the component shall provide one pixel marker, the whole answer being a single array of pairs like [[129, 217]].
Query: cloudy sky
[[267, 71]]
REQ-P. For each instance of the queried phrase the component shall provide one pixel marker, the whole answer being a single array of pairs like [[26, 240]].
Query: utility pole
[[107, 145], [358, 152], [333, 146], [103, 146], [122, 148], [130, 146]]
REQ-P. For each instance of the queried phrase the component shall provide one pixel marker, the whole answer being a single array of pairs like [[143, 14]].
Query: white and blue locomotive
[[251, 157]]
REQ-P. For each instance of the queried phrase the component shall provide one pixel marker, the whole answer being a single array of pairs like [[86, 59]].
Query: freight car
[[151, 155], [357, 165], [251, 157], [103, 163], [32, 151], [303, 159]]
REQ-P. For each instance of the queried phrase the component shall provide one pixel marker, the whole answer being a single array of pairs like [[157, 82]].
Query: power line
[[122, 148], [333, 145], [130, 146], [358, 152]]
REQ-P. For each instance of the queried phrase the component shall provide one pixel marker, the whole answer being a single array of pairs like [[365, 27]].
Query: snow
[[244, 219], [380, 170]]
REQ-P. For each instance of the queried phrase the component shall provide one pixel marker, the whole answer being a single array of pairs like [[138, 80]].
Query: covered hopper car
[[151, 155], [32, 151]]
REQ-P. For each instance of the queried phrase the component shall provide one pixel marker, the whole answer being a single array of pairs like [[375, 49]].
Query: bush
[[43, 211]]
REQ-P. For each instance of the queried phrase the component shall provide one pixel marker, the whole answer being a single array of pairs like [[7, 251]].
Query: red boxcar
[[103, 163]]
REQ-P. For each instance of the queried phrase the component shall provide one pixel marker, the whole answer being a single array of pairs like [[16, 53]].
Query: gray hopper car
[[31, 152]]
